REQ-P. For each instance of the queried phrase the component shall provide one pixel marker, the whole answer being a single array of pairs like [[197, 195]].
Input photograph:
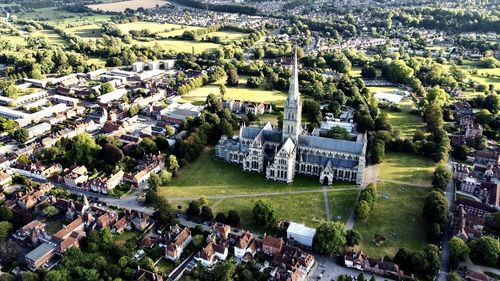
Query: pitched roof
[[331, 144], [273, 242]]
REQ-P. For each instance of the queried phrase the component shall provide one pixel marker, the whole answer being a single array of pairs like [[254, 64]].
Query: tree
[[484, 251], [312, 111], [232, 79], [437, 95], [399, 72], [222, 91], [6, 213], [193, 209], [369, 72], [154, 181], [20, 134], [362, 210], [106, 88], [147, 146], [220, 217], [206, 213], [9, 251], [352, 238], [7, 277], [224, 271], [173, 165], [264, 213], [442, 176], [29, 276], [458, 251], [111, 154], [436, 208], [5, 230], [55, 275], [165, 177], [330, 238], [233, 218], [458, 73], [133, 110], [337, 133], [361, 277], [203, 200], [83, 150], [50, 211], [378, 151]]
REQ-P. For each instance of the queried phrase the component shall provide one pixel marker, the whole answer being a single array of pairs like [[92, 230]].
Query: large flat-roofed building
[[300, 233], [280, 155], [111, 96], [40, 255]]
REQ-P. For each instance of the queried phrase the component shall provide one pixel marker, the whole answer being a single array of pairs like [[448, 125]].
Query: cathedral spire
[[293, 91]]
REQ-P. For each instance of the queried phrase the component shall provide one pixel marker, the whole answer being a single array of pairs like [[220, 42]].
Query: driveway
[[332, 270]]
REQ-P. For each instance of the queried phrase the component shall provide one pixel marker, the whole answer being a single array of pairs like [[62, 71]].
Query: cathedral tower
[[292, 116]]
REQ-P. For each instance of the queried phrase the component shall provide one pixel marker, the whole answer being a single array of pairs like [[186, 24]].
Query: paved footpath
[[327, 203]]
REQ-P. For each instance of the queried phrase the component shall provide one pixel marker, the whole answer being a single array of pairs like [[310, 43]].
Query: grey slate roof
[[269, 135], [336, 162], [331, 144], [40, 251]]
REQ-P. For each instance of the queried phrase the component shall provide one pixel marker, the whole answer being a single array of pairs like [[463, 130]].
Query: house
[[180, 239], [138, 66], [139, 220], [5, 178], [178, 116], [354, 260], [221, 231], [31, 233], [75, 176], [467, 226], [242, 246], [69, 236], [37, 170], [272, 245], [104, 185], [212, 253], [296, 263], [40, 255], [151, 164], [120, 225], [300, 233]]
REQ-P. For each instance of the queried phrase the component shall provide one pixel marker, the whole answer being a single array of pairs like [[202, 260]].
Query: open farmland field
[[51, 36], [228, 36], [122, 6], [152, 26], [54, 15], [180, 45], [86, 31]]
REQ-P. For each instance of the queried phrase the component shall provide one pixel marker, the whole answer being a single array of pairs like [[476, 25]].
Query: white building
[[301, 233], [39, 129], [138, 66], [168, 64], [111, 96], [154, 65]]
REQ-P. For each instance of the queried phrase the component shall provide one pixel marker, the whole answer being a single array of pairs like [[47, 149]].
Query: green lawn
[[342, 203], [54, 227], [209, 177], [307, 208], [240, 92], [165, 266], [264, 118], [397, 216], [128, 235], [406, 167], [405, 122]]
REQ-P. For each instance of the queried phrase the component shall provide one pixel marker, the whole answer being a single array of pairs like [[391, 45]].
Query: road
[[332, 270], [445, 253]]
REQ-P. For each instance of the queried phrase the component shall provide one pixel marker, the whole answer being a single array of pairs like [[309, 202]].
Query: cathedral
[[280, 155]]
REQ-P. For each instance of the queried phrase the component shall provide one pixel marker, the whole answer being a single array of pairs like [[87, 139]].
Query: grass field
[[192, 182], [240, 93], [54, 227], [51, 36], [90, 31], [308, 208], [180, 45], [53, 15], [228, 36], [122, 6], [264, 118], [406, 167], [151, 26], [405, 122], [397, 217]]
